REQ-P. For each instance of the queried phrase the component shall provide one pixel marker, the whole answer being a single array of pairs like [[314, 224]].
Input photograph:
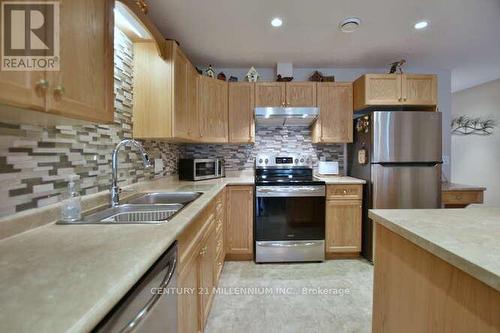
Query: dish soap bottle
[[71, 209]]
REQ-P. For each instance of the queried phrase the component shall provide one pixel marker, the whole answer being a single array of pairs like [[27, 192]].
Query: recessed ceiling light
[[349, 24], [421, 25], [276, 22]]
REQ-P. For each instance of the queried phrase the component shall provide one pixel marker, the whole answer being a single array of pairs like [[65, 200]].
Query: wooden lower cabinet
[[343, 220], [200, 264], [188, 300], [239, 223], [206, 276]]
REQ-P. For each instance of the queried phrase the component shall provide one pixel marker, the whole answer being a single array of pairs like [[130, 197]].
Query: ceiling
[[464, 35]]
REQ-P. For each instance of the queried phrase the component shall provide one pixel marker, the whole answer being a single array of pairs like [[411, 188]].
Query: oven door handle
[[288, 245], [290, 191]]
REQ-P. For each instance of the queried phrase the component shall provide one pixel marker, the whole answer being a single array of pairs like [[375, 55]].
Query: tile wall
[[268, 141], [35, 161]]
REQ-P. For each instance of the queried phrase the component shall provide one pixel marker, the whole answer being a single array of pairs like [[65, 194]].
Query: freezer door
[[406, 136], [399, 186]]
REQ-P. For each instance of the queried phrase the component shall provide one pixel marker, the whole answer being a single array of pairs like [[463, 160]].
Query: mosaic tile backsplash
[[35, 161], [268, 141]]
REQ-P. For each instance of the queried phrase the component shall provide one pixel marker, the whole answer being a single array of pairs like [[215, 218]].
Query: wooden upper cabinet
[[241, 104], [395, 90], [335, 123], [343, 226], [180, 91], [270, 94], [239, 221], [377, 89], [23, 89], [300, 94], [213, 110], [83, 87], [152, 108], [192, 104], [419, 89]]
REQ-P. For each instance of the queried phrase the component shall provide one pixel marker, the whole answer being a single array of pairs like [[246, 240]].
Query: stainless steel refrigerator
[[399, 155]]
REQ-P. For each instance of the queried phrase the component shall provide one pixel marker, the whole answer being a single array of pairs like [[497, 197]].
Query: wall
[[476, 159], [35, 161], [268, 141], [350, 74]]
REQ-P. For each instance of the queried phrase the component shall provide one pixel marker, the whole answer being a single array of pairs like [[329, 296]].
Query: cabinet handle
[[59, 90], [203, 251], [345, 192], [42, 85], [219, 263], [404, 99], [400, 99]]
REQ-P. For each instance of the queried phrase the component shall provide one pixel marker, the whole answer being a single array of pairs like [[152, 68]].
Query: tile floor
[[280, 304]]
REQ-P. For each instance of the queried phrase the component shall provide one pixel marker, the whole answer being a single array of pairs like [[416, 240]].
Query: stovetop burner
[[284, 170]]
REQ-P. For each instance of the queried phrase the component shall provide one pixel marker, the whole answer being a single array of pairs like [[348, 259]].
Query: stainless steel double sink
[[143, 208]]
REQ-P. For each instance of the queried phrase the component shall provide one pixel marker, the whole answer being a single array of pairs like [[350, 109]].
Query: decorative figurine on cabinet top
[[397, 67], [210, 72], [221, 76], [233, 79], [252, 75]]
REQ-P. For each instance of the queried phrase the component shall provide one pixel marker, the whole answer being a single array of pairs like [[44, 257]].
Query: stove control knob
[[260, 160], [266, 161], [296, 161], [302, 160]]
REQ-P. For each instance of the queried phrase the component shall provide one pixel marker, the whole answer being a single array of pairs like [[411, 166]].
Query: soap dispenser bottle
[[71, 209]]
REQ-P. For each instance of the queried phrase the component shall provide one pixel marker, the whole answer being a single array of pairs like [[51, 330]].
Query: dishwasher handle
[[171, 266]]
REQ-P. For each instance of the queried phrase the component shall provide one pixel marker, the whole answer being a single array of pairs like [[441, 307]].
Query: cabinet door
[[188, 307], [270, 94], [213, 110], [181, 117], [301, 94], [192, 106], [239, 220], [23, 89], [152, 108], [343, 226], [383, 89], [83, 87], [335, 104], [206, 279], [241, 112], [419, 89]]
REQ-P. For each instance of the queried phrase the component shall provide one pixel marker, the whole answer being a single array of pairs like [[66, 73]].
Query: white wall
[[476, 159], [350, 74]]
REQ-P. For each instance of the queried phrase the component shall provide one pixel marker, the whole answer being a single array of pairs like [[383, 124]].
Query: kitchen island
[[437, 270]]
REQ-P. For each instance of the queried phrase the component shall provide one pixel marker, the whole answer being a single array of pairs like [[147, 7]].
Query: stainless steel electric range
[[289, 210]]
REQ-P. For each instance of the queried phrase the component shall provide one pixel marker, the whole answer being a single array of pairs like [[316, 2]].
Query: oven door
[[290, 213]]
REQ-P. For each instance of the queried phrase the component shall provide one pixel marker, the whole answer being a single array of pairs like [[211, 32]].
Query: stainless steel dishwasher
[[151, 305]]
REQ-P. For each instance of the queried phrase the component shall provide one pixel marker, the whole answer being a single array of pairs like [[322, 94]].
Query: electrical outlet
[[446, 159], [158, 165]]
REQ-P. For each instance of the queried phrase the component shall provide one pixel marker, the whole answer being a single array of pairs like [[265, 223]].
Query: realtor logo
[[30, 36]]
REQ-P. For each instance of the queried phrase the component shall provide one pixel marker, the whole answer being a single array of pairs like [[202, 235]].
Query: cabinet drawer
[[347, 192], [462, 197]]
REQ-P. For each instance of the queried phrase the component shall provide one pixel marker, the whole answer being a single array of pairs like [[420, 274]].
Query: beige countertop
[[332, 180], [460, 187], [66, 278], [465, 238]]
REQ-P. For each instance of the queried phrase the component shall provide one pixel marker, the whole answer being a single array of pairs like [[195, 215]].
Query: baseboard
[[239, 257], [346, 255]]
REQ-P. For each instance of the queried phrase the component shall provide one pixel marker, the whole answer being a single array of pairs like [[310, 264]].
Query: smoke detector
[[349, 24]]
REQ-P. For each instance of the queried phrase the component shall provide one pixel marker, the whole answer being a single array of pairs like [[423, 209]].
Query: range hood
[[286, 116]]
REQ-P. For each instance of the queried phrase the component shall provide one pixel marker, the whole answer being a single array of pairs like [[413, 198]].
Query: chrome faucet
[[115, 190]]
